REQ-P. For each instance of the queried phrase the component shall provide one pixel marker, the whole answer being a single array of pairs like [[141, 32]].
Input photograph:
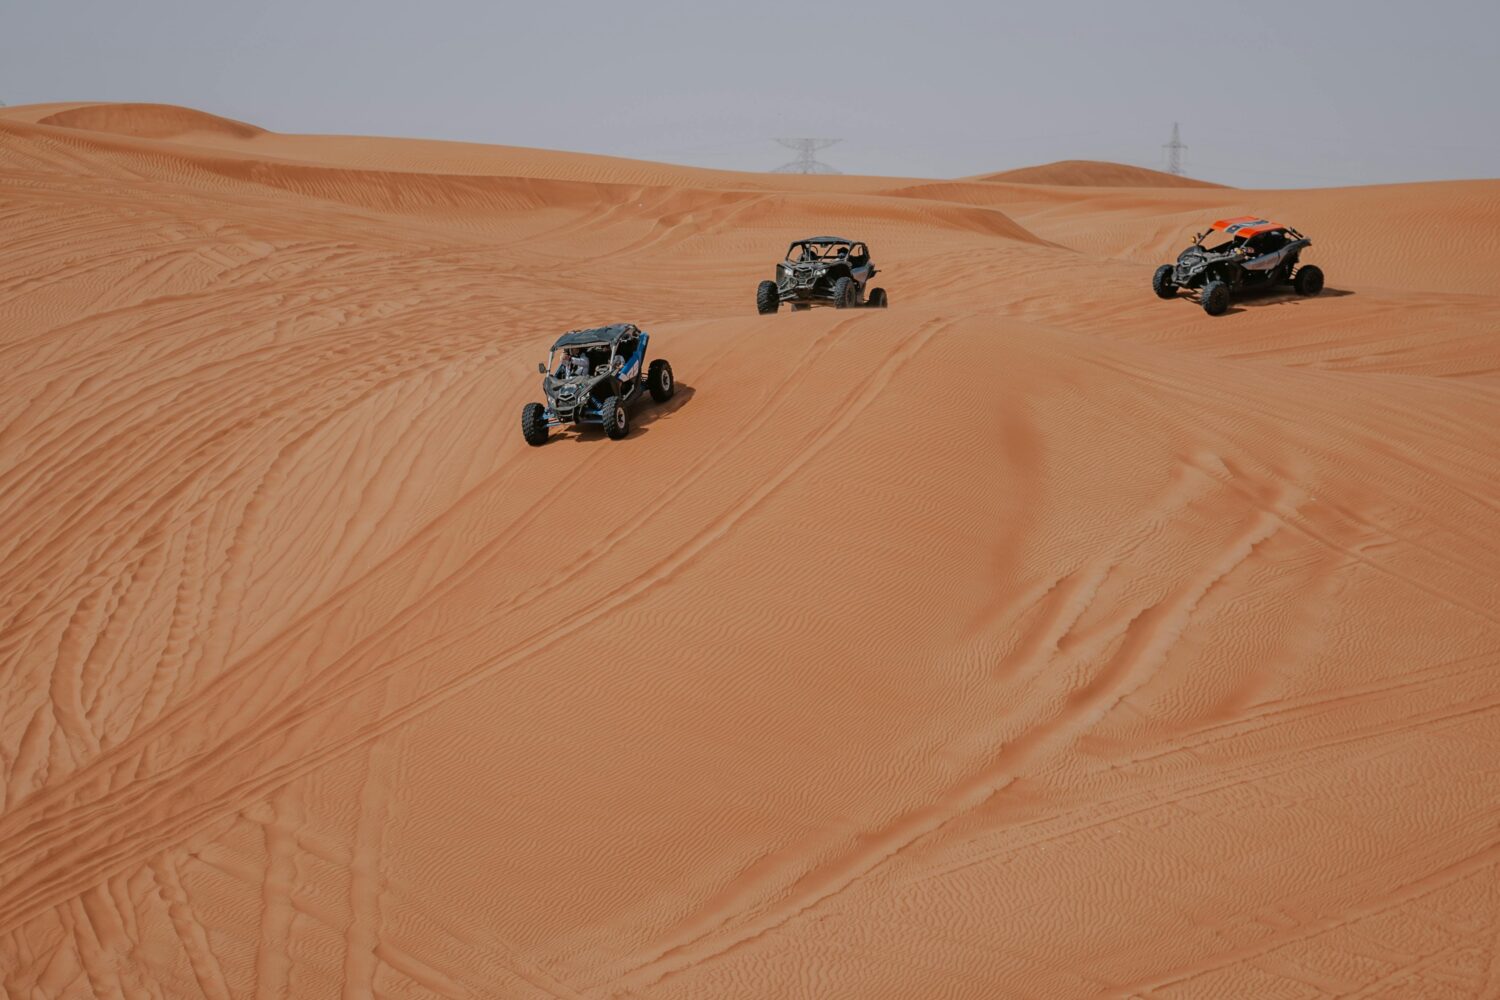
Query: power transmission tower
[[806, 162], [1175, 149]]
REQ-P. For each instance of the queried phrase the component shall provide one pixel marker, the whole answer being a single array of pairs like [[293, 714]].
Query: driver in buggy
[[575, 363]]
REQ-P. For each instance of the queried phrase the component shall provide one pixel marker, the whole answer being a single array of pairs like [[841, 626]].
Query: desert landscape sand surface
[[1030, 638]]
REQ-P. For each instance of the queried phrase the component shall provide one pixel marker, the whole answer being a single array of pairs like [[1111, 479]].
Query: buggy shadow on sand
[[593, 377], [1258, 255], [1267, 298]]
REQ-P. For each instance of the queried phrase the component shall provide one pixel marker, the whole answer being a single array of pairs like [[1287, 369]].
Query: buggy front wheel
[[1215, 298], [845, 294], [534, 424], [1161, 283], [767, 298], [615, 418]]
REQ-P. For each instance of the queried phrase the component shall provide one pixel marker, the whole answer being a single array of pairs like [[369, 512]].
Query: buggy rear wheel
[[767, 298], [1308, 280], [1161, 283], [845, 294], [615, 417], [877, 299], [1215, 298], [534, 424], [659, 380]]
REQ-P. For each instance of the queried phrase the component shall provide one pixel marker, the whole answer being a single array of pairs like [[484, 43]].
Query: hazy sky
[[1269, 94]]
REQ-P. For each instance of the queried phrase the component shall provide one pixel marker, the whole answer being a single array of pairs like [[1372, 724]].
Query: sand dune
[[1032, 637], [1093, 173], [148, 121]]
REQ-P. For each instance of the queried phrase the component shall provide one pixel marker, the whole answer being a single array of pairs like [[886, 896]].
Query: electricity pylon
[[1175, 149], [806, 162]]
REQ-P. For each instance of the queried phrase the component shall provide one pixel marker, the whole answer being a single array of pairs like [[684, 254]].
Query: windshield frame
[[824, 252], [553, 361]]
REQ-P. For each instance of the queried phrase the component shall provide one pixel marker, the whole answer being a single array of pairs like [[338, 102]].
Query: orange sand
[[1033, 637]]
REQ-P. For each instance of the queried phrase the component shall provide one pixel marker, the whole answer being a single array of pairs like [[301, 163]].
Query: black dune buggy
[[822, 270], [1258, 254], [592, 377]]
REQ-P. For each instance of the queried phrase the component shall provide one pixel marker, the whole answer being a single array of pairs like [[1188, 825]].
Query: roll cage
[[1259, 235], [826, 250], [614, 350]]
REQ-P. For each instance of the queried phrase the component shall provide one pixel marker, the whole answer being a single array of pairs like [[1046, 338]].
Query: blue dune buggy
[[592, 377]]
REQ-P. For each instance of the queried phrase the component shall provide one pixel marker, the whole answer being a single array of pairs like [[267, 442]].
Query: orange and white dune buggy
[[1258, 254]]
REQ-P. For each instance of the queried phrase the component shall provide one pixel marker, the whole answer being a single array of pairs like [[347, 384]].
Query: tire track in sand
[[1148, 638], [264, 755]]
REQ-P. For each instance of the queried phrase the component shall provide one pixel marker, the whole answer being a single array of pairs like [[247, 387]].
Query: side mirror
[[541, 367]]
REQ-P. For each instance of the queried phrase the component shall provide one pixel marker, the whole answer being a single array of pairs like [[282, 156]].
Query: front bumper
[[812, 292], [577, 408]]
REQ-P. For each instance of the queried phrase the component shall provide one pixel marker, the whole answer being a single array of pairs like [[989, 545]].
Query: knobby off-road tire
[[878, 299], [534, 424], [1161, 283], [1308, 280], [660, 381], [845, 294], [1215, 298], [616, 418], [767, 298]]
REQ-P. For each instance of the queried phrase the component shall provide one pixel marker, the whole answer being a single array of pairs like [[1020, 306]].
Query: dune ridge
[[1094, 173], [1030, 637], [148, 121]]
